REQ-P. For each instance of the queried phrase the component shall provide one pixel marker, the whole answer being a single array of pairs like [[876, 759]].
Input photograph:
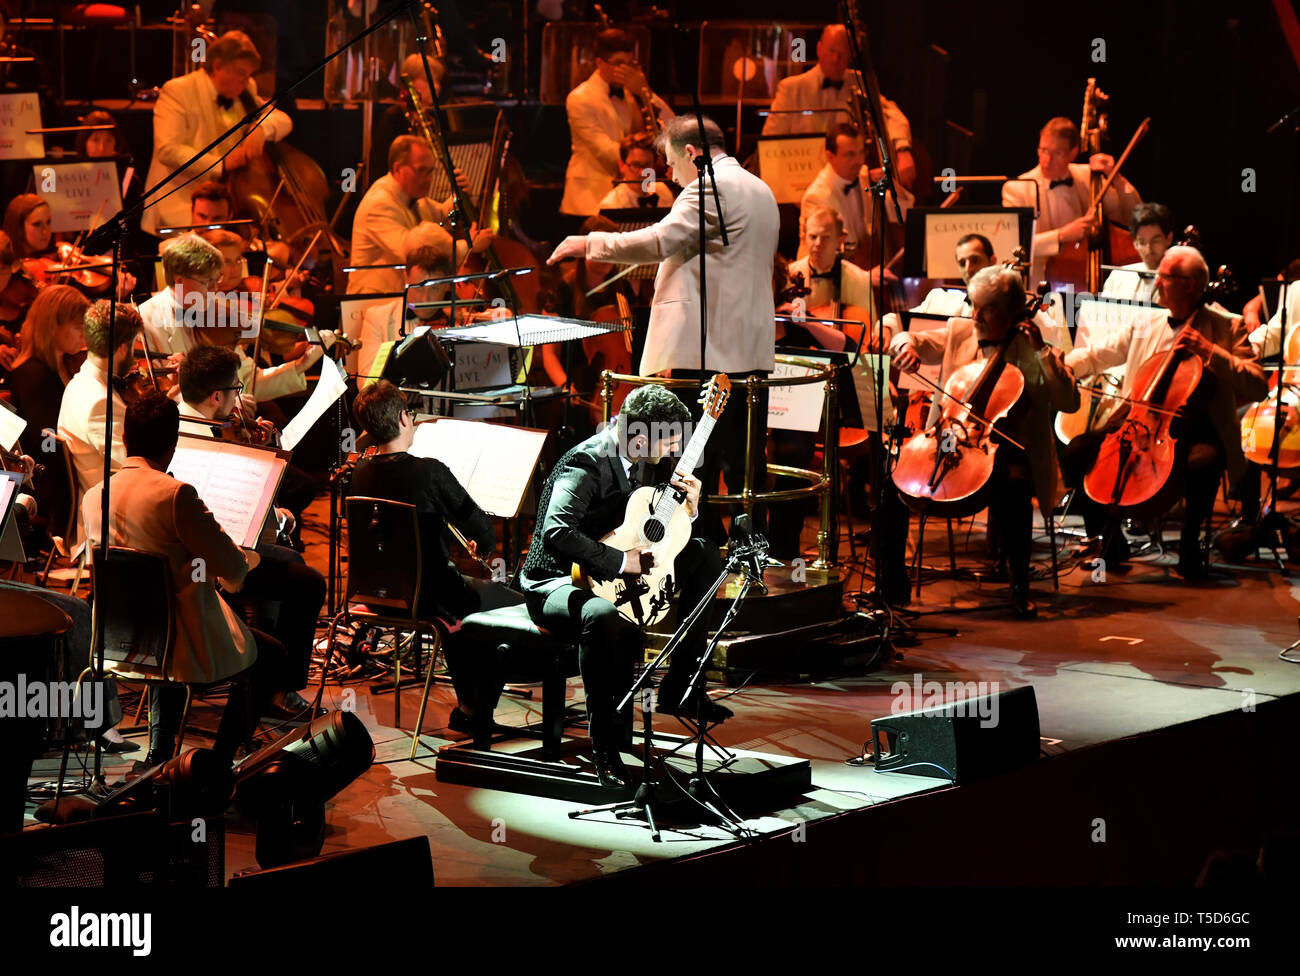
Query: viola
[[68, 266]]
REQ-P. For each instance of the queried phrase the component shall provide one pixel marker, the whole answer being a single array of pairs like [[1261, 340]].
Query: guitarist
[[583, 499]]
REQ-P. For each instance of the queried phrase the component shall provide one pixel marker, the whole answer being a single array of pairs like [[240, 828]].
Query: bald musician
[[825, 90]]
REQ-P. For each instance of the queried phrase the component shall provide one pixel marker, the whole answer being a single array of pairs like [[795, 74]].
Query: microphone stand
[[703, 164], [880, 190], [649, 790]]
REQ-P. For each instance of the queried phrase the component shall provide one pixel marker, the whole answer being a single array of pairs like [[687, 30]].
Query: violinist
[[210, 390], [1209, 440], [998, 299], [85, 399], [28, 224], [192, 305], [1063, 195], [636, 164], [195, 109], [50, 349], [601, 111], [17, 291], [396, 203]]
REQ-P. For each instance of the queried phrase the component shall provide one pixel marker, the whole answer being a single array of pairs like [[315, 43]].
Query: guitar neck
[[690, 459]]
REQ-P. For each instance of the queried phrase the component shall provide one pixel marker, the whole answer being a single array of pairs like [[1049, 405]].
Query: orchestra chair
[[60, 545], [32, 632], [385, 566], [524, 653]]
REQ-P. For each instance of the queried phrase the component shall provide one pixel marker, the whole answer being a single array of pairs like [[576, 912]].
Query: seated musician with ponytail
[[998, 298], [1208, 436], [439, 499]]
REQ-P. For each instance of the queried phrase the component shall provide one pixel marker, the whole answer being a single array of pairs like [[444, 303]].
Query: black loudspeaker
[[964, 740], [405, 863]]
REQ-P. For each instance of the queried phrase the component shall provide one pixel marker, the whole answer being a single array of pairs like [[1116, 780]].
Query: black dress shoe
[[1022, 606], [610, 770], [121, 745]]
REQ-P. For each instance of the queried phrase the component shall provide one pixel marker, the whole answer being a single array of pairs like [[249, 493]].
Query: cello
[[947, 468]]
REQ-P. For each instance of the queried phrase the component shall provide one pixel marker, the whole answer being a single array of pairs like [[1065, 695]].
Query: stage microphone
[[747, 548]]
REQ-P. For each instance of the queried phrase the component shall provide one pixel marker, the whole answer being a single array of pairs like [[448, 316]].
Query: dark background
[[1212, 77]]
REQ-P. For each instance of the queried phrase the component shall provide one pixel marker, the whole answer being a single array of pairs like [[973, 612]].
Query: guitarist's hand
[[691, 486], [637, 561]]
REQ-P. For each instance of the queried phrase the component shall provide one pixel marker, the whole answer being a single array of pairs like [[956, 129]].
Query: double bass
[[1079, 263]]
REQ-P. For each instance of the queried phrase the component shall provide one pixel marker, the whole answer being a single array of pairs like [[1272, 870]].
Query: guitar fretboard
[[690, 460]]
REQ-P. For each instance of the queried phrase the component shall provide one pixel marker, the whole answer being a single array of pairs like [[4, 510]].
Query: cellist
[[1208, 440], [999, 321]]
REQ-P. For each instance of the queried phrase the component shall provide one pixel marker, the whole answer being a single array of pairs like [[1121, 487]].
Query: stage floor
[[1136, 652]]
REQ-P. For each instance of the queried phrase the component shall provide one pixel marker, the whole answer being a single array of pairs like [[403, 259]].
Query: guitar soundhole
[[653, 530]]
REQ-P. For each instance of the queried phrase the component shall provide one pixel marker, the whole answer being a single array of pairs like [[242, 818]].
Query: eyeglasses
[[237, 388]]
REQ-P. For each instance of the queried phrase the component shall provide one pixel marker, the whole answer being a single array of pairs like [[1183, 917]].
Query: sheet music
[[864, 383], [11, 428], [235, 481], [493, 463], [333, 381], [796, 407]]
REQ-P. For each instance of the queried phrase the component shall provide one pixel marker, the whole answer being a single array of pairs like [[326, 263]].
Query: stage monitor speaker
[[965, 740], [405, 863]]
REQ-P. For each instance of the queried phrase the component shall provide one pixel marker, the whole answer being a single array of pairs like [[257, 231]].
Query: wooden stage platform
[[1158, 701]]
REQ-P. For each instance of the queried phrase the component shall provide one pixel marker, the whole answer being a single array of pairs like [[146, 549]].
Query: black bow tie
[[1176, 324], [649, 200], [832, 275], [1068, 181], [837, 85], [850, 186], [615, 91], [989, 343], [225, 102]]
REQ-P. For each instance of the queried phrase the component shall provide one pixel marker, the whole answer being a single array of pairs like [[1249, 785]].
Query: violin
[[17, 297], [69, 266]]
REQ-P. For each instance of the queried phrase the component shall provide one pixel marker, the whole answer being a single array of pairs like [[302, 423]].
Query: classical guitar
[[656, 519]]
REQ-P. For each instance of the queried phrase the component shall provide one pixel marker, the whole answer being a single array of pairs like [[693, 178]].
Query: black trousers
[[725, 456], [609, 644], [249, 696], [1199, 463], [283, 596], [1011, 505], [476, 672]]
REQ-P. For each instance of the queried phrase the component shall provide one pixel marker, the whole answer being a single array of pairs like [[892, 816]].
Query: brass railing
[[819, 482]]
